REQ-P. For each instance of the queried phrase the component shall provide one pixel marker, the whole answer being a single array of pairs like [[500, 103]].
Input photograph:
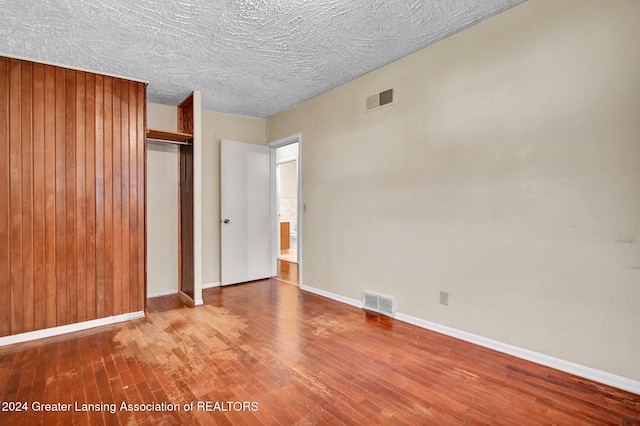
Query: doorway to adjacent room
[[285, 162]]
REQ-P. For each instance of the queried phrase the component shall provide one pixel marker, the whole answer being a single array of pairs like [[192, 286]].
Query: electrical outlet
[[444, 297], [304, 207]]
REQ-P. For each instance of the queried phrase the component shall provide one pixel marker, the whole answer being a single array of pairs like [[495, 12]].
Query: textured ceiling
[[248, 57]]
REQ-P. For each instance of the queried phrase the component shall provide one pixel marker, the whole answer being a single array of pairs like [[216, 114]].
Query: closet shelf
[[168, 136]]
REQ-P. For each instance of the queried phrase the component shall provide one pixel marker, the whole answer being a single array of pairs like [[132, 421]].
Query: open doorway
[[286, 206], [287, 178]]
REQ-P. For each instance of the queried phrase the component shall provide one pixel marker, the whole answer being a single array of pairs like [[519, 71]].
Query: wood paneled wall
[[72, 196]]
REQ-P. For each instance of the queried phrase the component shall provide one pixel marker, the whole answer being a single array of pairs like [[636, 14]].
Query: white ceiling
[[247, 57]]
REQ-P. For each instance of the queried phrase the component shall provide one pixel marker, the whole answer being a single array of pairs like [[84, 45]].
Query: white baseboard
[[208, 285], [162, 293], [546, 360], [197, 302], [337, 297], [63, 329], [211, 285]]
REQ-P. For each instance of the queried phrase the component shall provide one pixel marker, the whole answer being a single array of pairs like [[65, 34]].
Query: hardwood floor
[[288, 271], [268, 353]]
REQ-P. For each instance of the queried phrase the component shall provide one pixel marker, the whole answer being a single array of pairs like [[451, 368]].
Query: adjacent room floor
[[268, 353], [288, 272], [289, 255]]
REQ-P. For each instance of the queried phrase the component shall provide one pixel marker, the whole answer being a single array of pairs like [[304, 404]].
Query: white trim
[[197, 197], [286, 160], [63, 329], [275, 232], [539, 358], [198, 302], [22, 58], [285, 141], [162, 293], [300, 248], [336, 297], [276, 242], [211, 285]]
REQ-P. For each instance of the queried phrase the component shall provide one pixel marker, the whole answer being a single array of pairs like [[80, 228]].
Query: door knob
[[226, 221]]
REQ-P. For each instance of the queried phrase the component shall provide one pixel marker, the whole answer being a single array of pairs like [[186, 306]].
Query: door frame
[[275, 222]]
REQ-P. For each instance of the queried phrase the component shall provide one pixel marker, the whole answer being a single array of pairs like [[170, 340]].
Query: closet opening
[[170, 180]]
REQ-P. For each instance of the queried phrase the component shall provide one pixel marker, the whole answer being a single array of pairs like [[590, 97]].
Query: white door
[[245, 212]]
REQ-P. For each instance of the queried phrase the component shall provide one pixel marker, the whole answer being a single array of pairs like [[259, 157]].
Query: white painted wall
[[162, 205], [288, 151], [288, 192], [507, 173], [288, 180]]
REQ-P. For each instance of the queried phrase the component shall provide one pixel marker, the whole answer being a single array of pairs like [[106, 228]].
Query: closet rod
[[168, 141]]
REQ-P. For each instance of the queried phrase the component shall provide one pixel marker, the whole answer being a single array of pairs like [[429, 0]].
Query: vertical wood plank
[[185, 115], [99, 162], [61, 212], [117, 200], [81, 199], [27, 195], [70, 195], [133, 196], [90, 194], [134, 208], [140, 284], [5, 210], [108, 195], [15, 167], [39, 203], [186, 221], [50, 193], [124, 152]]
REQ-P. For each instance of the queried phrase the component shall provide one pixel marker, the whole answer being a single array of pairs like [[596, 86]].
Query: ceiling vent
[[379, 100], [381, 304]]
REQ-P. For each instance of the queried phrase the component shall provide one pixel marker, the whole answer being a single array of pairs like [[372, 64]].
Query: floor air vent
[[381, 304]]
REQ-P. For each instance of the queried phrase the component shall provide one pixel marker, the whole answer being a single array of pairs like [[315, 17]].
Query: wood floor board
[[288, 271], [303, 358]]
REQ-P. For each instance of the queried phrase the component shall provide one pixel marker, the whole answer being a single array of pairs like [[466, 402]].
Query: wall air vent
[[381, 304], [380, 99]]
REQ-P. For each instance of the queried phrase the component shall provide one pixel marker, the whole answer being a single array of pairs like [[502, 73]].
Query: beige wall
[[507, 173], [216, 126]]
